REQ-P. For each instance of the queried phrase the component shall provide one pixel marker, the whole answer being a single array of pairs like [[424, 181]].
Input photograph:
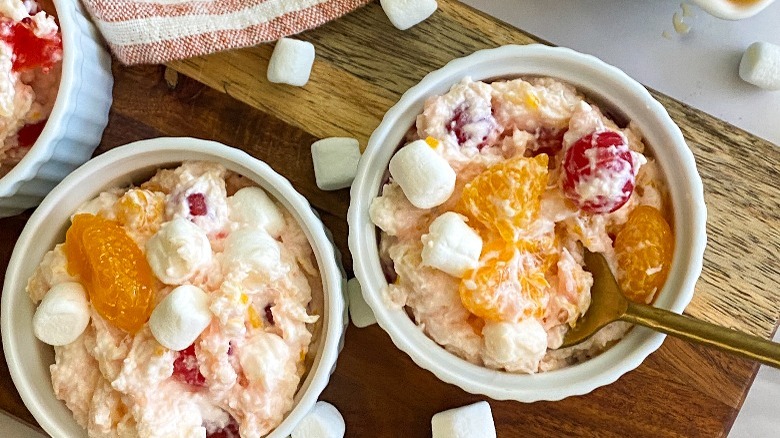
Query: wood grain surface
[[363, 66]]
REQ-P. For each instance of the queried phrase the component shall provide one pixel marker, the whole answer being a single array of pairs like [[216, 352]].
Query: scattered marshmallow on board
[[760, 65], [323, 421], [425, 177], [291, 62], [335, 162], [404, 14], [471, 421], [360, 312], [63, 314]]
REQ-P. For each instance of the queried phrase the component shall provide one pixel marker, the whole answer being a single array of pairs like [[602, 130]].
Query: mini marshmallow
[[63, 314], [255, 252], [760, 65], [263, 359], [359, 310], [471, 421], [451, 245], [178, 251], [291, 62], [425, 177], [323, 421], [180, 317], [251, 206], [335, 162], [406, 13], [518, 347]]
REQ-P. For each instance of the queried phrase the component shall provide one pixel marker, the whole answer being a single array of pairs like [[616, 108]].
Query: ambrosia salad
[[30, 66], [489, 207], [178, 308]]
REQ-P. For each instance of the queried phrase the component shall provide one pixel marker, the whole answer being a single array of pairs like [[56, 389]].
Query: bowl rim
[[551, 385], [728, 10], [69, 86], [326, 254]]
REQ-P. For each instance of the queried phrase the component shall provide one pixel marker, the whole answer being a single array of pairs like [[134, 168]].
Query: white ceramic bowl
[[621, 96], [733, 10], [28, 359], [77, 121]]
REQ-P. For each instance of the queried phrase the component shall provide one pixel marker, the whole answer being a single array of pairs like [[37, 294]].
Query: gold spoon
[[608, 304]]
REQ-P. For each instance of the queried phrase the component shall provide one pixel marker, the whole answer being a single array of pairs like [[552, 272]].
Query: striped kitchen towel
[[156, 31]]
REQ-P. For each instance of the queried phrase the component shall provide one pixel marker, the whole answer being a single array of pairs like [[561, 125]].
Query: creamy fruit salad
[[180, 307], [30, 66], [489, 207]]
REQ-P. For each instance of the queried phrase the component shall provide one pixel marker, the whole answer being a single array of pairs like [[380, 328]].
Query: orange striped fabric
[[157, 31]]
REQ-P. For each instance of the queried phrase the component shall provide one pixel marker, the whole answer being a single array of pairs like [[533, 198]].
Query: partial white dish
[[76, 123]]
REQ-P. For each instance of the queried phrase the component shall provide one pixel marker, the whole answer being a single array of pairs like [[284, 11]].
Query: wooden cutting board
[[363, 66]]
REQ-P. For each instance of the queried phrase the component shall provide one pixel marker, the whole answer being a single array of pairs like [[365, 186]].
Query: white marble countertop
[[699, 68]]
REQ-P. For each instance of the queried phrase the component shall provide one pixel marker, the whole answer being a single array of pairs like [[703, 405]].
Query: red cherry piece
[[599, 172], [549, 141], [268, 315], [197, 204], [388, 269], [459, 120], [30, 133], [30, 51], [457, 126], [229, 431], [185, 367]]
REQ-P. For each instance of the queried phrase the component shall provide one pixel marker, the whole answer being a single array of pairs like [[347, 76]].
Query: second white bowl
[[623, 98]]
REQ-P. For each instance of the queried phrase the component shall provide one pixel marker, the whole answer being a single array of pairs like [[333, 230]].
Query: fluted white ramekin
[[29, 359], [77, 121], [621, 97]]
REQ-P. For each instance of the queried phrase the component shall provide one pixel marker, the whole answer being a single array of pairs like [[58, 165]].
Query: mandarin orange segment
[[113, 270], [507, 196], [549, 255], [508, 285], [254, 319], [141, 209], [644, 248]]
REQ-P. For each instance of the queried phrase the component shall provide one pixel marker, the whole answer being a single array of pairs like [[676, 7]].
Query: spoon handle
[[700, 332]]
